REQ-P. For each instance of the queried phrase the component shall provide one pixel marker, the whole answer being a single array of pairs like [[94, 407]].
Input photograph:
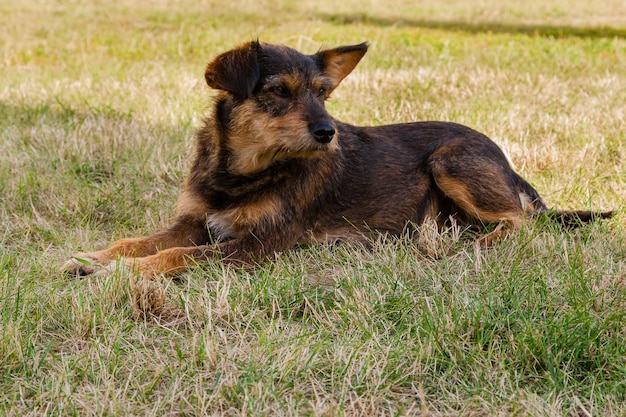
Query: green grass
[[98, 106]]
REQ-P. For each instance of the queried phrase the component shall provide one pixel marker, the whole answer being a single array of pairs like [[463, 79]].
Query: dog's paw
[[82, 264], [97, 264]]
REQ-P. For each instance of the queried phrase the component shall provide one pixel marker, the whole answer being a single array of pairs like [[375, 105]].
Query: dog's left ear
[[236, 71], [337, 63]]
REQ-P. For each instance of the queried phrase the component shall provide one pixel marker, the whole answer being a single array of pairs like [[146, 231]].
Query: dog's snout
[[323, 132]]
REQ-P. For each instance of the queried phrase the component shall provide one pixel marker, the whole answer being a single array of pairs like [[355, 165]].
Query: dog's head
[[276, 101]]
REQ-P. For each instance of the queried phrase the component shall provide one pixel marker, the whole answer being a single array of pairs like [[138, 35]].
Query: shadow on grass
[[479, 27], [81, 167]]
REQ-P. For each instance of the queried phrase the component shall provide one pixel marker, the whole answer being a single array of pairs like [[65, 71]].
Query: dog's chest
[[233, 222]]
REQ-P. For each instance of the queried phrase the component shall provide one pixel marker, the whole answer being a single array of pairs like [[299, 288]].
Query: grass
[[98, 106]]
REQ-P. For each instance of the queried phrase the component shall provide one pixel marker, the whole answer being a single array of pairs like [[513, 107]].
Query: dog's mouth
[[315, 149]]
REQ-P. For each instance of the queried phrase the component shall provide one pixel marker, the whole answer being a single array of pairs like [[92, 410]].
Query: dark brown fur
[[273, 169]]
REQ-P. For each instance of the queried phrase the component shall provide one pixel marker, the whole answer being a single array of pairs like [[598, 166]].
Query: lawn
[[99, 102]]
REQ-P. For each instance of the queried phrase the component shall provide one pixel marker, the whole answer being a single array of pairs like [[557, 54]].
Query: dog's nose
[[323, 132]]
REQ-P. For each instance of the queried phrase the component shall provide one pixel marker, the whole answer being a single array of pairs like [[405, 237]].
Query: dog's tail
[[565, 218], [575, 218]]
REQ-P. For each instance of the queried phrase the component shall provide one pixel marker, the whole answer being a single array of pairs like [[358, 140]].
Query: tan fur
[[339, 65], [458, 191], [241, 219], [189, 203]]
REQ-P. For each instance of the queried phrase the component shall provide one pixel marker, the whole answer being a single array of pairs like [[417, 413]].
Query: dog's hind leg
[[482, 185]]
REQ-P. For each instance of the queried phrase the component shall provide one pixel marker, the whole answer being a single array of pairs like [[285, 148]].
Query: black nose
[[323, 132]]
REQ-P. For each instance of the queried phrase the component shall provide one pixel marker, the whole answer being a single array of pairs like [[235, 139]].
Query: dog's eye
[[280, 91], [321, 92]]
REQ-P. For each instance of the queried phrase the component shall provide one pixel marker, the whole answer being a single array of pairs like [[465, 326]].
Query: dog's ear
[[337, 63], [236, 71]]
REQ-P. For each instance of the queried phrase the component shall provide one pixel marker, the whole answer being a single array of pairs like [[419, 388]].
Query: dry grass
[[98, 107]]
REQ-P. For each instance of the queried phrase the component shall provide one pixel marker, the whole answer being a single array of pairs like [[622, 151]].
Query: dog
[[273, 169]]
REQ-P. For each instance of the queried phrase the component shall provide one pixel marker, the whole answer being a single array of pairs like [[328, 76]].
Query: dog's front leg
[[246, 251], [186, 231]]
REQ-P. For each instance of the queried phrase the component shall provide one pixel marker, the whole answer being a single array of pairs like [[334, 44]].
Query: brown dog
[[273, 169]]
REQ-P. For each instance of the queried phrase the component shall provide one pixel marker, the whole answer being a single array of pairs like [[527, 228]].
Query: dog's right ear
[[236, 71]]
